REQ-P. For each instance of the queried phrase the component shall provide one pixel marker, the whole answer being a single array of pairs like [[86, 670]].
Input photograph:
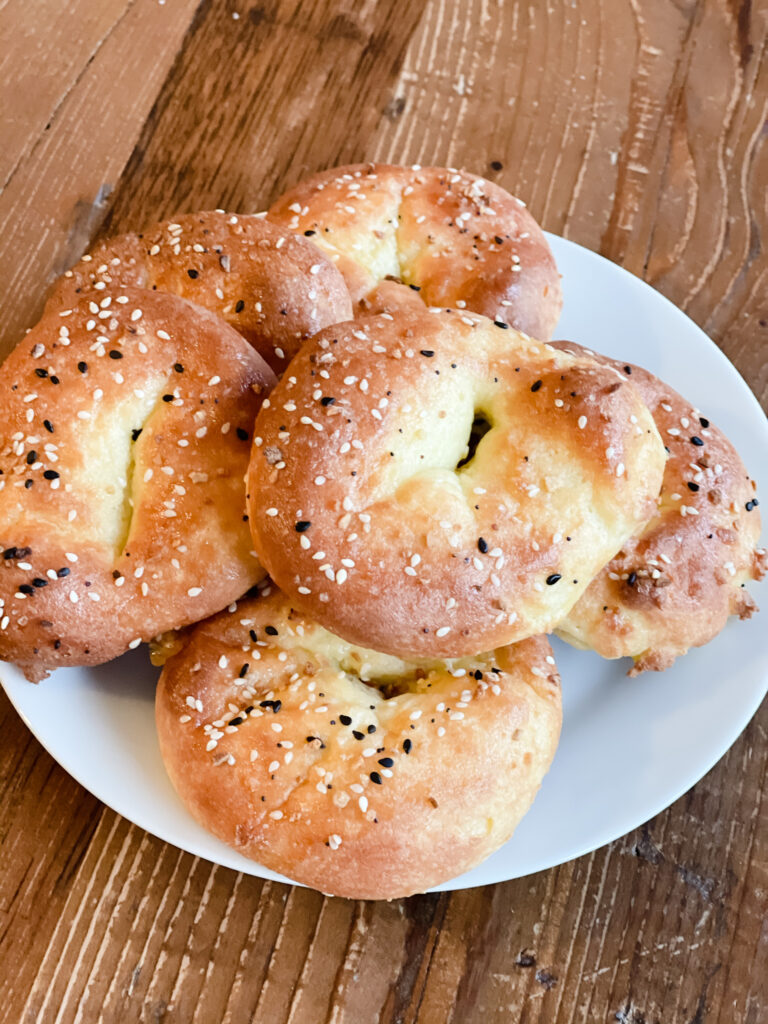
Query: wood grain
[[636, 127]]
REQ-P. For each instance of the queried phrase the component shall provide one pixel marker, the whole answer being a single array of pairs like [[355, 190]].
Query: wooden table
[[636, 127]]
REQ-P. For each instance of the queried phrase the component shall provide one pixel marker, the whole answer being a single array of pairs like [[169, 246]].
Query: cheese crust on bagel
[[124, 437], [274, 288], [347, 770], [431, 484], [673, 585], [454, 237]]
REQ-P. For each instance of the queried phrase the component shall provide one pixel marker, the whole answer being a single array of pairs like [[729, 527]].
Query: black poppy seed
[[327, 400], [239, 306], [242, 434], [632, 579], [82, 366], [697, 441], [375, 777], [371, 729], [252, 633], [358, 735], [627, 369], [168, 398], [243, 670], [114, 354], [386, 762], [270, 631], [704, 421], [53, 379], [427, 352], [248, 710], [237, 720], [51, 474], [536, 385], [274, 704], [309, 233], [692, 486], [501, 324], [41, 372], [178, 368], [302, 526], [482, 545], [38, 582], [135, 433], [551, 580], [28, 483], [498, 240], [194, 274], [64, 571], [48, 426], [407, 745], [750, 505], [25, 588], [9, 553], [345, 720], [31, 457], [415, 287]]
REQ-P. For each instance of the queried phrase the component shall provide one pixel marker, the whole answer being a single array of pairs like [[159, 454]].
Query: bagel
[[457, 238], [347, 770], [674, 584], [368, 510], [124, 439], [272, 287]]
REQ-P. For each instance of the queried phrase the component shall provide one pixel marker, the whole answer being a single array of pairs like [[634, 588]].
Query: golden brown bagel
[[674, 584], [363, 515], [459, 239], [124, 437], [272, 287], [347, 770]]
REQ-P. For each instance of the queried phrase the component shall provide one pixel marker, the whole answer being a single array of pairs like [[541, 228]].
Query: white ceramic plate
[[629, 746]]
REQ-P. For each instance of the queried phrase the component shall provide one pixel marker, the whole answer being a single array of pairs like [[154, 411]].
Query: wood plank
[[59, 192], [37, 73]]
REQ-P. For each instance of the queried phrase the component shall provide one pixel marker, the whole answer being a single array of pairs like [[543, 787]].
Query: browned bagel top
[[273, 287], [674, 584], [124, 436], [353, 772], [365, 510], [456, 238]]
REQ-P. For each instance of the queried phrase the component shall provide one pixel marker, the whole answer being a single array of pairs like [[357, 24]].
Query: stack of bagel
[[327, 462]]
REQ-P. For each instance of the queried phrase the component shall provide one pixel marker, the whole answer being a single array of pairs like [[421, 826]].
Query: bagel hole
[[480, 427]]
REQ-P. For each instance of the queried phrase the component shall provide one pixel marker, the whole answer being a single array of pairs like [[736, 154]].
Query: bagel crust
[[124, 437], [673, 585], [274, 288], [456, 238], [366, 513], [347, 770]]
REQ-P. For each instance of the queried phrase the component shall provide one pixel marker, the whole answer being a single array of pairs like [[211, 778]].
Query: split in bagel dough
[[273, 287], [124, 437], [454, 237], [368, 510], [672, 586], [345, 769]]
